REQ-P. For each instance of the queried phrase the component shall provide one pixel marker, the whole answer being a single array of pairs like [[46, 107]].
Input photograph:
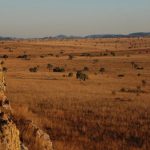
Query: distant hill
[[105, 36], [6, 38], [137, 34], [61, 36]]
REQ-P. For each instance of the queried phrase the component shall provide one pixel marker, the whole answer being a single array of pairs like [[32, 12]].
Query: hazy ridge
[[61, 36]]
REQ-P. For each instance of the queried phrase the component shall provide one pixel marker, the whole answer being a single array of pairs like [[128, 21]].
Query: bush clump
[[86, 69], [58, 69], [102, 70], [4, 56], [24, 56], [121, 75], [49, 66], [81, 75], [70, 74], [34, 69], [2, 62], [5, 69]]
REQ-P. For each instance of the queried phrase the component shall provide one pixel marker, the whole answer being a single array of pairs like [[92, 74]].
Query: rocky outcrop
[[29, 134], [9, 134], [34, 137]]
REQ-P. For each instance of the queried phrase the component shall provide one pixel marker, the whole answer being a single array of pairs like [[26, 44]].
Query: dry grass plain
[[109, 111]]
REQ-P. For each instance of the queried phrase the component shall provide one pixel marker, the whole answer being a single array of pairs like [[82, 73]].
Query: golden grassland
[[109, 111]]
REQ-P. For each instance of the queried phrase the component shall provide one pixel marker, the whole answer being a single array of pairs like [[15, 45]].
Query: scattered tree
[[49, 66], [58, 69], [81, 75]]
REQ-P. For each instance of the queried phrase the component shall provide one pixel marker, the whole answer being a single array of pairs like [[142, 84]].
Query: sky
[[40, 18]]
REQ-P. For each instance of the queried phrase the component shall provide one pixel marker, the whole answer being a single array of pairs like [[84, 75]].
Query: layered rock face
[[10, 136], [33, 137]]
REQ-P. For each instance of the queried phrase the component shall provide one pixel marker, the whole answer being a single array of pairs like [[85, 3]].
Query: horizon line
[[72, 35]]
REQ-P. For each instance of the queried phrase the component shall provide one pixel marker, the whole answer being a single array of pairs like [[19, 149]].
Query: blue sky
[[37, 18]]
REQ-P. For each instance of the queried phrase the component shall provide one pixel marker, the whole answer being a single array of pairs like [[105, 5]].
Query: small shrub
[[34, 69], [121, 75], [102, 70], [138, 74], [23, 56], [5, 69], [57, 56], [64, 75], [105, 54], [113, 53], [49, 66], [81, 75], [58, 69], [143, 82], [139, 68], [42, 56], [70, 74], [70, 57], [2, 62], [85, 69], [5, 56], [138, 88], [122, 90], [113, 92], [50, 54], [136, 66], [61, 52]]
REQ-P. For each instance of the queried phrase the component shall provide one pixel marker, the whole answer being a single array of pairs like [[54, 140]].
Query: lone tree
[[102, 70], [34, 69], [58, 69], [49, 66], [70, 74], [81, 75]]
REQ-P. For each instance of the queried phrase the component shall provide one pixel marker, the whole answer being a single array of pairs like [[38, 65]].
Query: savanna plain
[[107, 109]]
